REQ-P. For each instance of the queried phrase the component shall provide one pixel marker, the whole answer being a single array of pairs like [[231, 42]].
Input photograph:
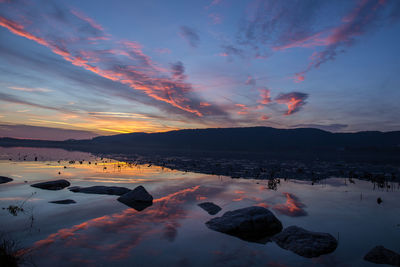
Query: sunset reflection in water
[[99, 230]]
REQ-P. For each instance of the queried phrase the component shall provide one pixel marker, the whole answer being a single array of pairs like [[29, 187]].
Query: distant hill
[[249, 139], [254, 139]]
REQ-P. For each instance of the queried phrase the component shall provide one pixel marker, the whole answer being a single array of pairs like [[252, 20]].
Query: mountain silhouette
[[244, 140]]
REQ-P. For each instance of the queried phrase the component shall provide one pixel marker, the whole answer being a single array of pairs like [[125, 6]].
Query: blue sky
[[82, 68]]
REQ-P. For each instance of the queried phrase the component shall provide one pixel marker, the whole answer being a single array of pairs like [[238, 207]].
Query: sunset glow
[[76, 68]]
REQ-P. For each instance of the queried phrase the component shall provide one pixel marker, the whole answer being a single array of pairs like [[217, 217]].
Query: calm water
[[100, 231]]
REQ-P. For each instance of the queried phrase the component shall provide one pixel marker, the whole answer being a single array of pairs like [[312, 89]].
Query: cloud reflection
[[293, 207]]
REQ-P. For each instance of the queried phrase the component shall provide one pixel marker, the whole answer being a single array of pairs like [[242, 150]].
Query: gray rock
[[4, 179], [305, 243], [382, 255], [99, 189], [52, 185], [64, 201], [137, 198], [210, 207], [251, 224]]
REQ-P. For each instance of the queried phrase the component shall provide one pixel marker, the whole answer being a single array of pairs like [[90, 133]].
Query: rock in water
[[305, 243], [64, 201], [382, 255], [210, 207], [251, 224], [52, 185], [4, 179], [99, 189], [138, 198]]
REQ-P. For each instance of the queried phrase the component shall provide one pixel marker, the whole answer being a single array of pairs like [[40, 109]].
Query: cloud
[[299, 77], [265, 95], [190, 35], [178, 70], [89, 20], [230, 51], [214, 3], [243, 109], [274, 22], [365, 16], [250, 81], [294, 101], [16, 100], [275, 25], [119, 61], [28, 89]]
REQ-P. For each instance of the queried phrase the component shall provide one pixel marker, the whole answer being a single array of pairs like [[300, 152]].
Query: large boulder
[[382, 255], [137, 198], [251, 224], [210, 207], [52, 185], [305, 243], [4, 179], [99, 189], [64, 201]]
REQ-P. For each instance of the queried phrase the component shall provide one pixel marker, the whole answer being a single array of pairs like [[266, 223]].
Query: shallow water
[[100, 231]]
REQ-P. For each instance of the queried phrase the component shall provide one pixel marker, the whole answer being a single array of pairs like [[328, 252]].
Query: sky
[[77, 69]]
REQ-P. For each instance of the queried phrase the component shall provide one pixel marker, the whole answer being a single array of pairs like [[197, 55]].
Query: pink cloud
[[354, 24], [294, 101], [140, 72], [243, 109], [299, 77], [265, 95]]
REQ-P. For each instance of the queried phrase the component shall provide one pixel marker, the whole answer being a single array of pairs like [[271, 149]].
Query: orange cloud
[[293, 100], [243, 109]]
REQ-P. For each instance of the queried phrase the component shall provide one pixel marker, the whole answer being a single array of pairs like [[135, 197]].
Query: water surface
[[100, 231]]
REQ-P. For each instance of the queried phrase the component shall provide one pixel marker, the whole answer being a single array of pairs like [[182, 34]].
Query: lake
[[100, 231]]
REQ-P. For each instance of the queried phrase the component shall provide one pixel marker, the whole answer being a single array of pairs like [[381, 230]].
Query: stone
[[251, 223], [64, 201], [210, 207], [305, 243], [382, 255], [99, 189], [52, 185], [137, 198], [4, 179]]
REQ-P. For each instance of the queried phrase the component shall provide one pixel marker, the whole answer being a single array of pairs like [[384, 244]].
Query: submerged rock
[[99, 189], [52, 185], [305, 243], [210, 207], [4, 179], [64, 201], [138, 198], [382, 255], [251, 224]]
